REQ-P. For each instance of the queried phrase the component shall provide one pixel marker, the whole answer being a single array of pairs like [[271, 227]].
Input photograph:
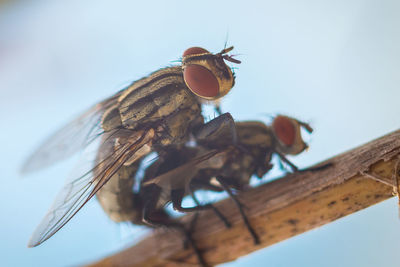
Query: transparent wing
[[69, 139], [76, 193]]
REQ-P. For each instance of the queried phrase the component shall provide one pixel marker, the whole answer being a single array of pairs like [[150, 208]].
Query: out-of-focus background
[[334, 64]]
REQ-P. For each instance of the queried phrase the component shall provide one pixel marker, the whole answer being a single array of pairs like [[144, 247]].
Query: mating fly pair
[[159, 111]]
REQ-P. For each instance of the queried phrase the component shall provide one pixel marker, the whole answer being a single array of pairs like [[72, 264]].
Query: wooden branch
[[278, 210]]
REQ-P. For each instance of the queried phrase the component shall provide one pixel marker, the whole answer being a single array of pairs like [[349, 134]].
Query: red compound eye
[[201, 81], [284, 130], [194, 50]]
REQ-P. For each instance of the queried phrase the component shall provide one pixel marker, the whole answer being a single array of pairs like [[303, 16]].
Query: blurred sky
[[334, 64]]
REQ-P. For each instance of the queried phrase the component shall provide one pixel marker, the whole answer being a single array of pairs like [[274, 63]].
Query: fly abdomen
[[145, 86], [117, 197]]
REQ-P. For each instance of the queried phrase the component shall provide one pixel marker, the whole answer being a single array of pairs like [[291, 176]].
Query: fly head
[[207, 74]]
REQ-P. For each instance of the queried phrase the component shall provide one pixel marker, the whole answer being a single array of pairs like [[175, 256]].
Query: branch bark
[[278, 210]]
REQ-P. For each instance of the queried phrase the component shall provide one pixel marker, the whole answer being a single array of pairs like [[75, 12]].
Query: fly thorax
[[151, 101], [116, 197]]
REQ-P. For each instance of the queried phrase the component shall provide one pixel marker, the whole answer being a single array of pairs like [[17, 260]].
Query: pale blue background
[[333, 63]]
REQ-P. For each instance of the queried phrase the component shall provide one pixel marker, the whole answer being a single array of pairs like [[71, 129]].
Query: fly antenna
[[224, 55]]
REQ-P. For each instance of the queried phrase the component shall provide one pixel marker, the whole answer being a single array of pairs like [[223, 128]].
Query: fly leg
[[296, 169], [264, 164], [217, 108], [176, 198], [317, 168], [216, 211], [150, 207], [288, 162], [226, 187], [158, 218], [189, 238]]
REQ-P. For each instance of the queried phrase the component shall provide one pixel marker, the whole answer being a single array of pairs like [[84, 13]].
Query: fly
[[231, 166], [157, 111]]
